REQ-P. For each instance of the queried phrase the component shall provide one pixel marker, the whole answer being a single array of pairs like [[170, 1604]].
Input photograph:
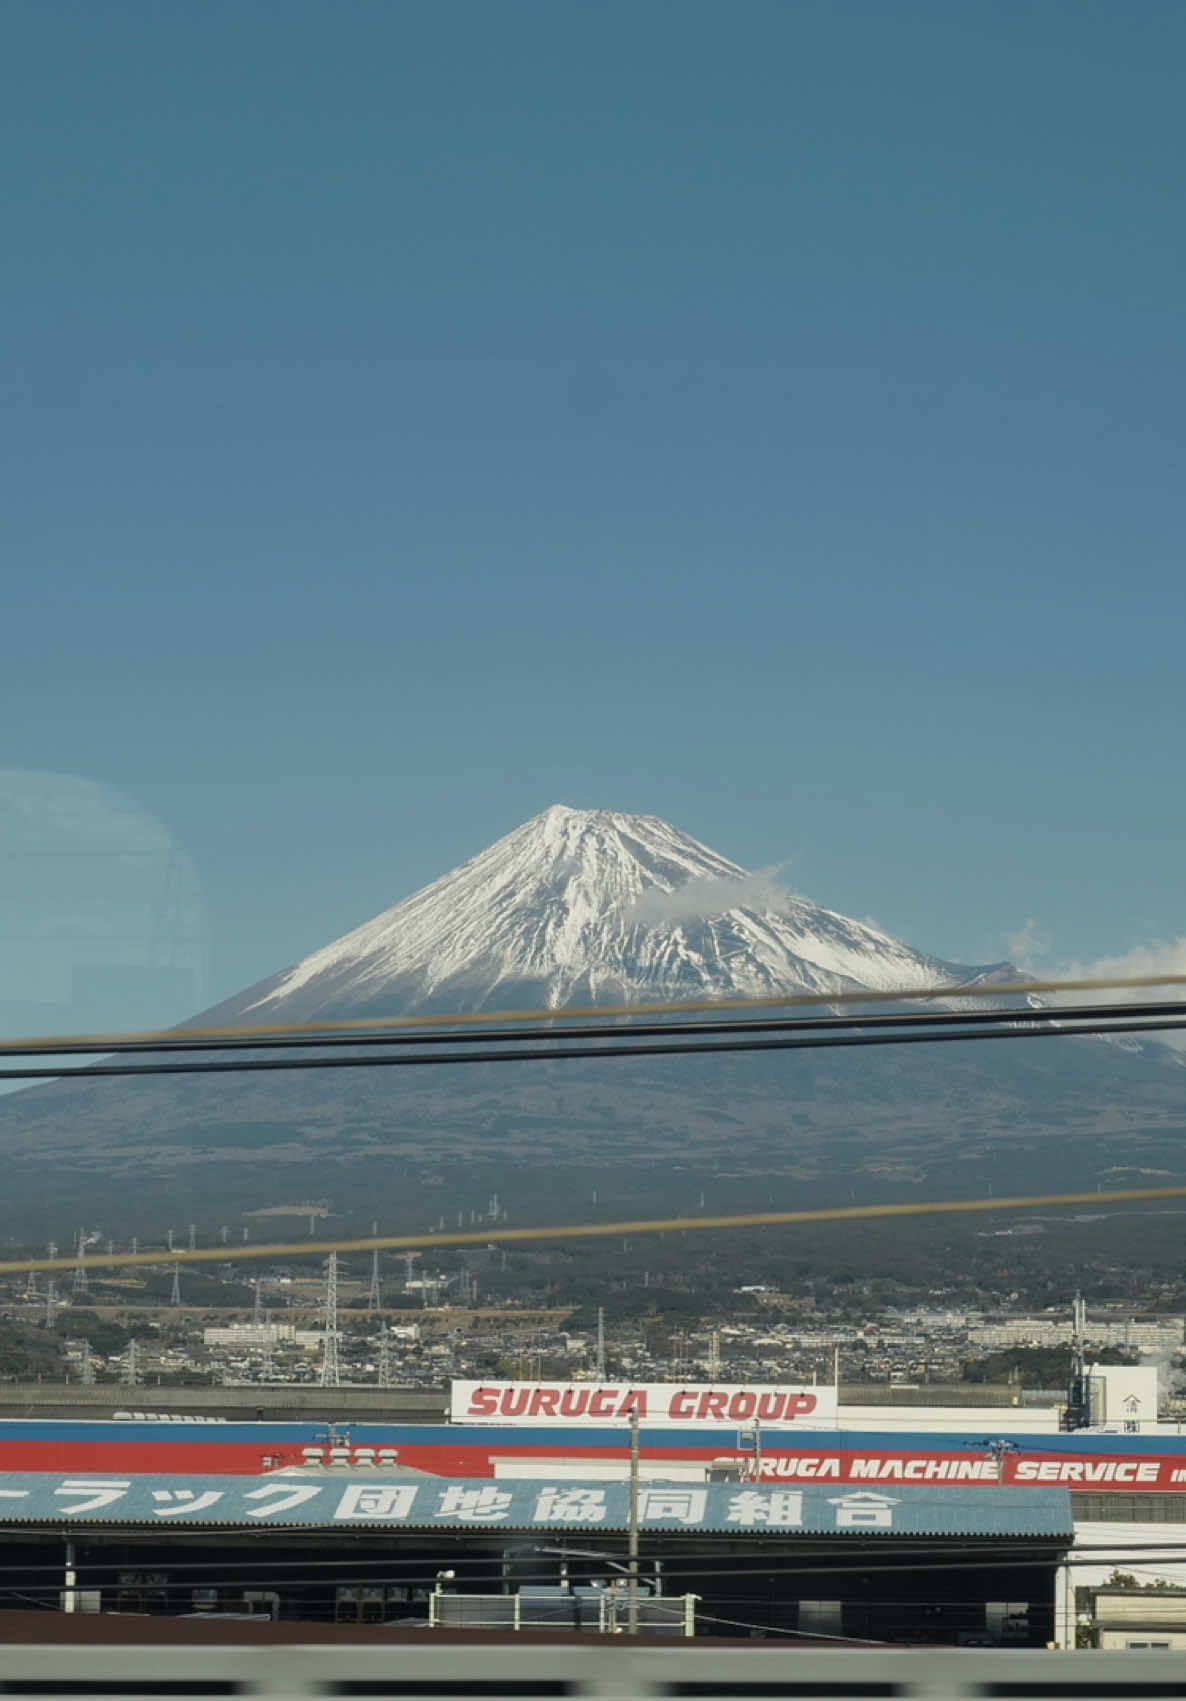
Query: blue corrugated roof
[[372, 1500]]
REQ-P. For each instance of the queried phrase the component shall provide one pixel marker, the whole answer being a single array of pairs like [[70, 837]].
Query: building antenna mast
[[1078, 1413]]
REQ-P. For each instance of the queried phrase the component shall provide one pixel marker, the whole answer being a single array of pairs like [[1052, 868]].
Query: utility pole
[[998, 1452], [331, 1373], [385, 1359], [632, 1550], [714, 1356]]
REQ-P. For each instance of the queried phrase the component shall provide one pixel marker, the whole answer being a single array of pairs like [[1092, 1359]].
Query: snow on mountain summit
[[583, 907]]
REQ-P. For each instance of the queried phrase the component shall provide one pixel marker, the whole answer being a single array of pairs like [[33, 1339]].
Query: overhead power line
[[325, 1039], [492, 1235], [506, 1018], [921, 1030]]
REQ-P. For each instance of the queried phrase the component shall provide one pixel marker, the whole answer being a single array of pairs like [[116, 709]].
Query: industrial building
[[915, 1565]]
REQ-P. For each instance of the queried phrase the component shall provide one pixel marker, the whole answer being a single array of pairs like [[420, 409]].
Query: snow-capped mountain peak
[[582, 906]]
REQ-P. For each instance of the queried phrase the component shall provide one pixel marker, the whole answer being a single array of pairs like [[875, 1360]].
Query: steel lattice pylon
[[331, 1374], [80, 1284]]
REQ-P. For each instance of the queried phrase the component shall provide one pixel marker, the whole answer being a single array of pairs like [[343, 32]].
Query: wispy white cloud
[[1031, 948], [1162, 957], [1028, 945], [715, 895]]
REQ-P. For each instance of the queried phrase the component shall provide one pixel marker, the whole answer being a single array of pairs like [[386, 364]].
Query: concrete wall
[[340, 1405]]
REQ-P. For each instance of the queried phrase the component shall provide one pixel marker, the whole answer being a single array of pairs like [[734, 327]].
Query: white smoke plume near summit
[[715, 895]]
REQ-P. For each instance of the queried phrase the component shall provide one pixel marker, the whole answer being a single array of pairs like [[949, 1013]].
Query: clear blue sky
[[769, 416]]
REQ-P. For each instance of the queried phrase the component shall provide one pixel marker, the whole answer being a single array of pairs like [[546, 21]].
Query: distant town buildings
[[1160, 1338]]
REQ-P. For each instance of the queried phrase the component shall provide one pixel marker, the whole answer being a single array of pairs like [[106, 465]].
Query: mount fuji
[[586, 907], [577, 909]]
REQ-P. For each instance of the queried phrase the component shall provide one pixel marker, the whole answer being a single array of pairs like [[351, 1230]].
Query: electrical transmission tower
[[193, 1237], [87, 1368], [80, 1285], [374, 1297], [257, 1307], [385, 1360], [331, 1373], [131, 1367], [175, 1294], [51, 1287]]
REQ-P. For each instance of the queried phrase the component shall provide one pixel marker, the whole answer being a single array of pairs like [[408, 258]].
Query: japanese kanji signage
[[335, 1500], [722, 1404]]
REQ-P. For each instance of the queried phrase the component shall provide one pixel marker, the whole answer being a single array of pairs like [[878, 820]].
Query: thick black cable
[[1057, 1027], [619, 1030]]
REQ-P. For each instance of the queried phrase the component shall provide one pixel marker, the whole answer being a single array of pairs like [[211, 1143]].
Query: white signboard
[[729, 1405]]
